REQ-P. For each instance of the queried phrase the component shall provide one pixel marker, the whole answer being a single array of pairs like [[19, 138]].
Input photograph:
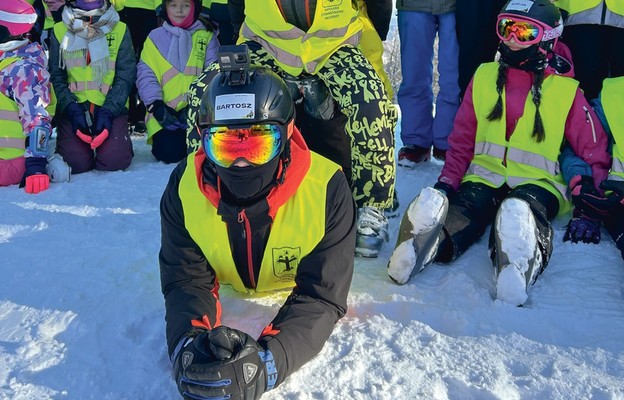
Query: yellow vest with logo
[[298, 227], [612, 98], [174, 84], [336, 23], [80, 79], [521, 160], [12, 139], [576, 6]]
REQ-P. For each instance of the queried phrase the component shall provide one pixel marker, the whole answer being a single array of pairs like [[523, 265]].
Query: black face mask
[[246, 183], [529, 59]]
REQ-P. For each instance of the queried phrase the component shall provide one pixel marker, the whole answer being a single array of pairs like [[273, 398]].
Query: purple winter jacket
[[147, 84]]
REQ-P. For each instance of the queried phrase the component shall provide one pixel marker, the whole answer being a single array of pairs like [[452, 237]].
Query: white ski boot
[[518, 259], [419, 235]]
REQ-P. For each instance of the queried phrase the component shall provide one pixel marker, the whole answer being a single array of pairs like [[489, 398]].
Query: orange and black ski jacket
[[319, 298]]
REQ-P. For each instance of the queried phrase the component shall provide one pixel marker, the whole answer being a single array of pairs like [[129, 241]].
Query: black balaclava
[[530, 59], [248, 182]]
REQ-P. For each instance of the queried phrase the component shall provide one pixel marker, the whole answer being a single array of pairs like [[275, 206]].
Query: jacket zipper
[[246, 233], [604, 12], [589, 119]]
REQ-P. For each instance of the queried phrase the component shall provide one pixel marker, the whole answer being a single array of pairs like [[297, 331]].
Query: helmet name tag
[[235, 106], [519, 5]]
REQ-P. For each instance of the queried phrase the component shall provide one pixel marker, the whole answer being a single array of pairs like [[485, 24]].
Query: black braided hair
[[536, 93], [497, 111]]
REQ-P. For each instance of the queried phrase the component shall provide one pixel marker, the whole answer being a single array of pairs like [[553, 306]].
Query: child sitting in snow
[[173, 56], [25, 93], [502, 165], [93, 68]]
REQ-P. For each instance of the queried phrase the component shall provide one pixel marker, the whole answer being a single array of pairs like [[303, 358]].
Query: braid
[[497, 111], [536, 93]]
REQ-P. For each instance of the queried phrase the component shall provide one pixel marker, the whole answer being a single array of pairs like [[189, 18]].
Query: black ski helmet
[[541, 12], [261, 93]]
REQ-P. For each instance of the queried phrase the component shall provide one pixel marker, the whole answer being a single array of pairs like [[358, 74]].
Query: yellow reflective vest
[[12, 139], [336, 23], [521, 160], [612, 98], [174, 84], [287, 244], [80, 78], [576, 6]]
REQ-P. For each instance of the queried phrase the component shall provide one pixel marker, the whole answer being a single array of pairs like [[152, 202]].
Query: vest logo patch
[[200, 49], [285, 262], [111, 40], [331, 3]]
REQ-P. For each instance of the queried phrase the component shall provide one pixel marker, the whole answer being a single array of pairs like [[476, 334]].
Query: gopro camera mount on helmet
[[235, 60]]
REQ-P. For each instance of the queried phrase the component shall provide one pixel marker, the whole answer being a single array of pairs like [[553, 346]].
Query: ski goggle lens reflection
[[524, 31], [256, 144]]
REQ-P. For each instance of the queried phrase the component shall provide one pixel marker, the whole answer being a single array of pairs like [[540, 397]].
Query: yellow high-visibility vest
[[612, 98], [336, 23], [287, 243], [80, 78], [521, 160], [576, 6], [174, 84]]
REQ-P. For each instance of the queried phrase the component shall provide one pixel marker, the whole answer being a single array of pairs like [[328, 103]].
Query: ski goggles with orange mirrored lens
[[256, 144], [524, 31]]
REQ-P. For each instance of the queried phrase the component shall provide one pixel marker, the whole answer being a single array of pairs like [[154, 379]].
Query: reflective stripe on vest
[[174, 84], [576, 6], [612, 98], [293, 49], [287, 244], [521, 160], [80, 79]]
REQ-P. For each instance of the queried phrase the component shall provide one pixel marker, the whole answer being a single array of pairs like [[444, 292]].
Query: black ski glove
[[223, 363], [164, 114], [587, 200]]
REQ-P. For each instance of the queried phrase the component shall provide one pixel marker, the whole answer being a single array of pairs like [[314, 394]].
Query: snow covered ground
[[82, 316]]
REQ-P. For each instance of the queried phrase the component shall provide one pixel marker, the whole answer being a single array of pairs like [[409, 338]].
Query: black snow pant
[[474, 207], [140, 22], [615, 227]]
